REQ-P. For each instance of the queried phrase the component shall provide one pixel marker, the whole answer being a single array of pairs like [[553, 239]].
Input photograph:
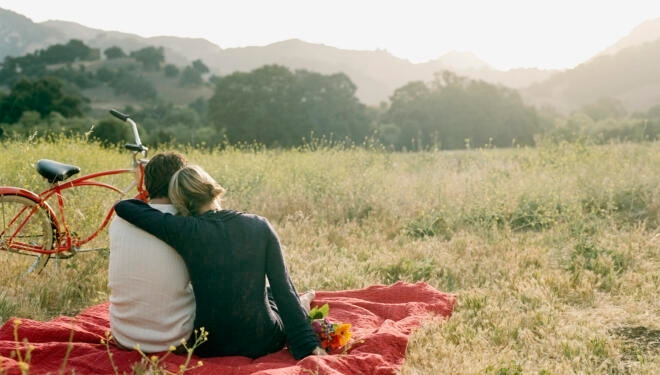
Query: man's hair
[[159, 171]]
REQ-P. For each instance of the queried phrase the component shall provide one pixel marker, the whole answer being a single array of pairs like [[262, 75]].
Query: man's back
[[151, 298]]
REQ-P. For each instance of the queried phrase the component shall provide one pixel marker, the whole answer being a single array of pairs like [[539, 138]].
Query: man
[[151, 299]]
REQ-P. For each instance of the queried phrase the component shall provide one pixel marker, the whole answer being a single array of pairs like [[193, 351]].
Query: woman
[[231, 257]]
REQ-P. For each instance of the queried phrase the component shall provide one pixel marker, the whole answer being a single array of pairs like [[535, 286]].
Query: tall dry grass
[[552, 251]]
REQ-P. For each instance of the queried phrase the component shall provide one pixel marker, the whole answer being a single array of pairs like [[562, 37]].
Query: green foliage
[[281, 108], [605, 108], [164, 123], [150, 57], [199, 66], [133, 85], [534, 214], [74, 50], [428, 225], [628, 205], [511, 368], [171, 71], [44, 95], [105, 75], [274, 106], [192, 74], [604, 263], [190, 77], [79, 77], [410, 270], [34, 65], [319, 312], [452, 110], [114, 52], [111, 132]]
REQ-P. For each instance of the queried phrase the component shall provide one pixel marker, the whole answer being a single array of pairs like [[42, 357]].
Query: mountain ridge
[[378, 73]]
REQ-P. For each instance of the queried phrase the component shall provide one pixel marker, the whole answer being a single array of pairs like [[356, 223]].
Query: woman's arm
[[298, 328], [165, 226]]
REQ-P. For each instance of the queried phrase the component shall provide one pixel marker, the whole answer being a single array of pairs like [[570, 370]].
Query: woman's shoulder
[[232, 217]]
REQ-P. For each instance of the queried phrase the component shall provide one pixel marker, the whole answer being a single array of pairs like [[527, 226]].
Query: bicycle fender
[[11, 190], [6, 190]]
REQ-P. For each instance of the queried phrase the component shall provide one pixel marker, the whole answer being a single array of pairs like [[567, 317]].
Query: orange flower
[[336, 342], [343, 331]]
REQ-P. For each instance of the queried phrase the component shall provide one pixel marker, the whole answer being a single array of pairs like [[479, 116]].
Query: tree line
[[277, 107]]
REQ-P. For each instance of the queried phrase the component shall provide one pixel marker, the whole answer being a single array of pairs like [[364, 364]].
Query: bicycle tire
[[37, 230]]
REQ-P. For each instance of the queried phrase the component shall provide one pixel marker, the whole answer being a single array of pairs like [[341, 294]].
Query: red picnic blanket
[[382, 317]]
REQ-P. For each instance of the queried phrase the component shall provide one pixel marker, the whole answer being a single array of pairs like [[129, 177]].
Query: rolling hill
[[631, 75], [376, 73], [627, 70]]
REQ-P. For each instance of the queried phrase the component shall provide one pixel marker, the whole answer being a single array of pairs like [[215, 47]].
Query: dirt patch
[[638, 341]]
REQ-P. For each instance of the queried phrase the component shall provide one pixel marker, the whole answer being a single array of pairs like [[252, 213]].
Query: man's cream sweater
[[151, 299]]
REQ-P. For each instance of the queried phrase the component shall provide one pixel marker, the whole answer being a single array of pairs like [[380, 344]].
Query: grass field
[[552, 251]]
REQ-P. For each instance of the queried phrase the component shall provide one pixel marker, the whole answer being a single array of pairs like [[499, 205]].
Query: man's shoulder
[[123, 234], [164, 207]]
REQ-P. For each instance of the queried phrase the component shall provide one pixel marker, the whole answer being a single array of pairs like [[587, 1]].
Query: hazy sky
[[504, 33]]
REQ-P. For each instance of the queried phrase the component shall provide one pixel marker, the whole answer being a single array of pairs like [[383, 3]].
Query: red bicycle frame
[[63, 239]]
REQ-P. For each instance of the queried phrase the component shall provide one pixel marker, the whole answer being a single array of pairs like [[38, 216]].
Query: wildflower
[[172, 348], [154, 358], [200, 363], [344, 333], [24, 366], [331, 335]]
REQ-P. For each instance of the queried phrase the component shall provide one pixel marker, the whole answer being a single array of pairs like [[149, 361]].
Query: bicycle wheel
[[20, 224]]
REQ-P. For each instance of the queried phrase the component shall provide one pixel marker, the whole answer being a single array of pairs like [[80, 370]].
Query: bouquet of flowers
[[332, 335]]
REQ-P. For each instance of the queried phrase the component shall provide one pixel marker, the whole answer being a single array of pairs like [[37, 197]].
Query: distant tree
[[214, 79], [114, 52], [190, 77], [274, 106], [453, 110], [44, 95], [150, 57], [192, 74], [200, 105], [171, 71], [15, 68], [74, 50], [104, 74], [128, 83], [110, 132], [652, 113], [80, 77], [604, 108], [35, 65], [199, 66]]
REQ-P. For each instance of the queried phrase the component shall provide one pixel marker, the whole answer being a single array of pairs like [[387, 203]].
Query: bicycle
[[31, 226]]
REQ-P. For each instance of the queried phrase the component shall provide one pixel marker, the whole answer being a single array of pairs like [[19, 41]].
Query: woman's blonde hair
[[191, 188]]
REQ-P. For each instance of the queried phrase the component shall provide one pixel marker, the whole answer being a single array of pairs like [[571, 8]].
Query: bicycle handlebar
[[136, 135], [119, 115]]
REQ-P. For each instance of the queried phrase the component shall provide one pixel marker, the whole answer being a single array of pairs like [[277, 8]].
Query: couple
[[224, 271]]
